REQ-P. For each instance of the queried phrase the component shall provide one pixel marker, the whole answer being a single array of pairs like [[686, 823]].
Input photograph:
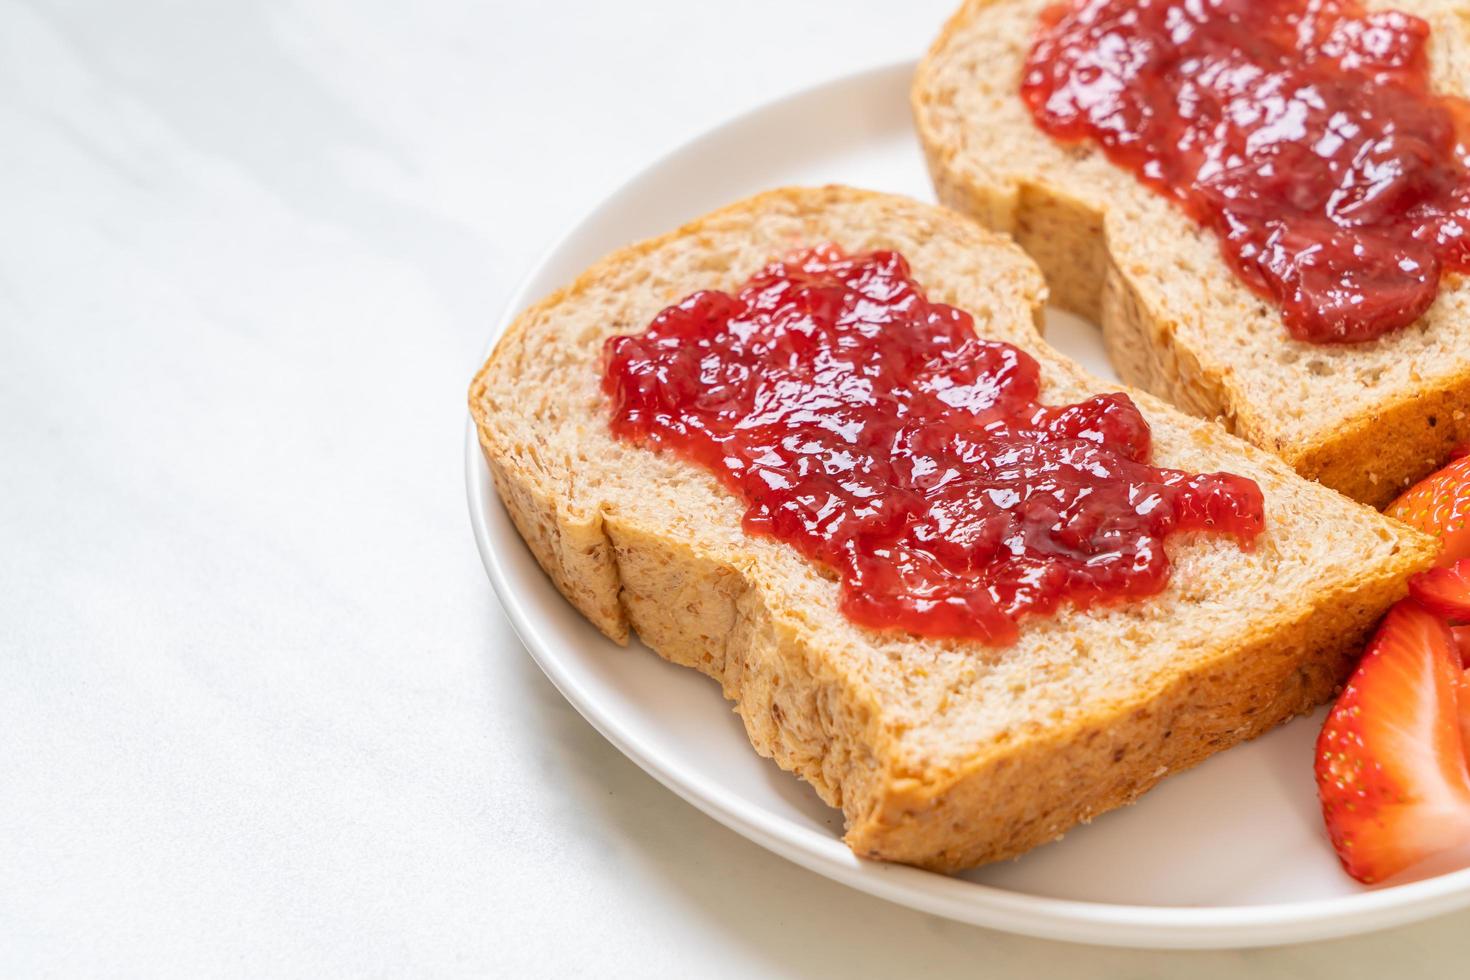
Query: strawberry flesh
[[1462, 640], [1391, 759], [1464, 702]]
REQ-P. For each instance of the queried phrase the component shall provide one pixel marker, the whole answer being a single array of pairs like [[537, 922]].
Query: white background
[[260, 713]]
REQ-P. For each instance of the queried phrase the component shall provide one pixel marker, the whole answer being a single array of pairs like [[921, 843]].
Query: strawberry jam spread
[[873, 431], [1303, 132]]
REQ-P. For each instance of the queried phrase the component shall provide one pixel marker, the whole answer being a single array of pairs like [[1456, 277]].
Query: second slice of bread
[[1365, 419], [940, 753]]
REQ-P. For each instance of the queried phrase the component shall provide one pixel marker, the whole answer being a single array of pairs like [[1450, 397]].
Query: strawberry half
[[1439, 504], [1445, 591], [1391, 762]]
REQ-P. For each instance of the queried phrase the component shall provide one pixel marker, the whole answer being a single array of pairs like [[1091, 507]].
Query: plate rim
[[1070, 920]]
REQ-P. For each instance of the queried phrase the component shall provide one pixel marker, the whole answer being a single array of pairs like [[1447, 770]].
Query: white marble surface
[[260, 713]]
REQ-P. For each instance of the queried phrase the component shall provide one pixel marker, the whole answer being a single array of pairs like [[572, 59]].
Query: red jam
[[1303, 132], [874, 432]]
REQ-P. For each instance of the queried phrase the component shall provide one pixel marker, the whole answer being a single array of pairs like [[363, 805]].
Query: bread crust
[[1287, 670], [846, 708], [1071, 224]]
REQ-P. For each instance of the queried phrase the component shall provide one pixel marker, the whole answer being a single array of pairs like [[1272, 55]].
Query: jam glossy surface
[[1303, 132], [872, 430]]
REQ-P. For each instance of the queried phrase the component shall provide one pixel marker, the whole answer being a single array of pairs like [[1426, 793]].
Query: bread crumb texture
[[1365, 419], [940, 753]]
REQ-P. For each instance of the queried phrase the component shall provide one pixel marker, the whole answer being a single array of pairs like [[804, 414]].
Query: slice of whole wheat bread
[[940, 753], [1365, 419]]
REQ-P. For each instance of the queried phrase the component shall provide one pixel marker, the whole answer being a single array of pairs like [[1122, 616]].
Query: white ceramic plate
[[1229, 854]]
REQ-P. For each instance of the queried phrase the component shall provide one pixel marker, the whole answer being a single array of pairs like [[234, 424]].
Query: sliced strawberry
[[1445, 591], [1391, 764], [1439, 504]]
